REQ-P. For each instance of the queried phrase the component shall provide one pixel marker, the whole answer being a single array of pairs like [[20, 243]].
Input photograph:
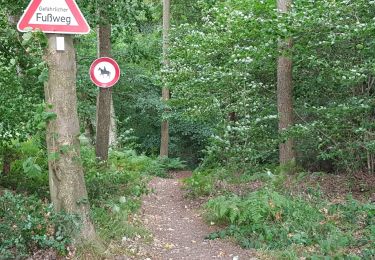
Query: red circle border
[[117, 72]]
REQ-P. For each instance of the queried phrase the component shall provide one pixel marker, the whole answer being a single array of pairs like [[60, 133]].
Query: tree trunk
[[67, 185], [370, 156], [90, 130], [113, 127], [103, 108], [285, 91], [7, 161], [103, 122], [13, 19], [164, 142]]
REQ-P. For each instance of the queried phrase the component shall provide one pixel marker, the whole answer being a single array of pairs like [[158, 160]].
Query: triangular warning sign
[[54, 16]]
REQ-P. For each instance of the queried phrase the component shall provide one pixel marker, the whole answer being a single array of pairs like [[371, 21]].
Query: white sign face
[[104, 72], [54, 13]]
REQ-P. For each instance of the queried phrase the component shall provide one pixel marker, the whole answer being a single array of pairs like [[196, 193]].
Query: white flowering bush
[[223, 75], [334, 81], [216, 74]]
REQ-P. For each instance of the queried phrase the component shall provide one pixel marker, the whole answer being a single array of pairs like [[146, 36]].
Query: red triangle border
[[81, 28]]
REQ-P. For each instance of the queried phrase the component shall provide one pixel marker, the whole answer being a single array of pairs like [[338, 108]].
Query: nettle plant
[[223, 73]]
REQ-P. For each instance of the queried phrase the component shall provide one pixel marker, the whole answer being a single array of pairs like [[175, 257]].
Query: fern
[[268, 219]]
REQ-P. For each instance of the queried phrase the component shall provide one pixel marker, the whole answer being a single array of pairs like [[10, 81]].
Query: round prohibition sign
[[104, 72]]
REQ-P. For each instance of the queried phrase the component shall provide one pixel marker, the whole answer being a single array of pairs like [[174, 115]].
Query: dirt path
[[178, 228]]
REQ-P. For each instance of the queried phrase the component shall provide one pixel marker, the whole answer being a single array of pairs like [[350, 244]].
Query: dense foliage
[[223, 118], [22, 74], [224, 75], [114, 194]]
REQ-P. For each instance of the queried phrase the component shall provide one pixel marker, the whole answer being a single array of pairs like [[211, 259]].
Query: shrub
[[171, 163], [27, 224], [29, 170], [124, 176], [200, 184], [115, 189]]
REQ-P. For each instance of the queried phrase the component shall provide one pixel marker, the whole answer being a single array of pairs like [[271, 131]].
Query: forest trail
[[178, 228]]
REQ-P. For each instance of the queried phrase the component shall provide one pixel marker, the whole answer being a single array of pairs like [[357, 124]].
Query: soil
[[178, 227], [336, 187]]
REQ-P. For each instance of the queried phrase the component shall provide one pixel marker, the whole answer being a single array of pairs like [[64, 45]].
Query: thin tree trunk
[[104, 100], [90, 130], [7, 161], [67, 185], [164, 142], [113, 127], [285, 91], [370, 156], [13, 19]]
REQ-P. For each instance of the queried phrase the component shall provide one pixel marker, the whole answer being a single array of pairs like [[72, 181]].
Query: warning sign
[[54, 16]]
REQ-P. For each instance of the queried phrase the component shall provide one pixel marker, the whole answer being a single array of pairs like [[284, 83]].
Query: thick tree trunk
[[103, 107], [164, 142], [285, 91], [67, 185]]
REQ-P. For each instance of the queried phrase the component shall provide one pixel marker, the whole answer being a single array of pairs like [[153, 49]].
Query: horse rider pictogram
[[104, 72]]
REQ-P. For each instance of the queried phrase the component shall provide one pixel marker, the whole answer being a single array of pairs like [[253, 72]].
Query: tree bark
[[113, 127], [67, 185], [164, 142], [7, 162], [104, 100], [13, 19], [285, 91]]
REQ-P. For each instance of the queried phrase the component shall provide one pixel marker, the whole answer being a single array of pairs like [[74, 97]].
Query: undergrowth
[[287, 226], [115, 191], [29, 170], [28, 222], [203, 181]]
